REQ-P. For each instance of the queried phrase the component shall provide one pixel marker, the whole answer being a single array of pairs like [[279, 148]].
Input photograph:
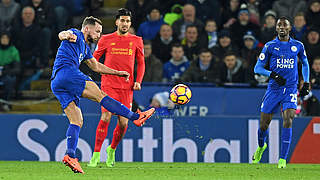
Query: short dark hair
[[123, 12], [204, 50], [91, 20], [229, 53], [191, 26], [176, 45], [285, 18]]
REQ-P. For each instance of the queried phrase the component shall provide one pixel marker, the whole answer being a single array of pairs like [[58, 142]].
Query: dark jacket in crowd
[[195, 74], [162, 50], [153, 72]]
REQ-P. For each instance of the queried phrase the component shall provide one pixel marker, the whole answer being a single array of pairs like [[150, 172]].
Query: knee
[[123, 124], [106, 116], [264, 126], [287, 123]]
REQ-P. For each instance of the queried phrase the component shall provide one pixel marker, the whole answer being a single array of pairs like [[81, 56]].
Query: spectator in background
[[153, 72], [189, 17], [268, 31], [313, 14], [312, 44], [163, 42], [315, 72], [44, 17], [253, 8], [207, 9], [149, 29], [193, 42], [288, 8], [176, 66], [224, 45], [239, 28], [162, 103], [138, 10], [8, 11], [205, 69], [232, 70], [230, 14], [249, 52], [27, 40], [211, 30], [9, 66], [132, 30], [175, 14], [299, 27]]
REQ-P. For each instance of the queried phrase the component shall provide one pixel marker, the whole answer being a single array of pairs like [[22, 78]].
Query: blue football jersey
[[71, 54], [173, 72], [283, 59]]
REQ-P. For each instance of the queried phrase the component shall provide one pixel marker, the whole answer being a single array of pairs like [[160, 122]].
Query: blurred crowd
[[216, 41], [206, 41], [28, 32]]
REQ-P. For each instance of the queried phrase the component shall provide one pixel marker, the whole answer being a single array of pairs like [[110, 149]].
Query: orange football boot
[[73, 164], [143, 116]]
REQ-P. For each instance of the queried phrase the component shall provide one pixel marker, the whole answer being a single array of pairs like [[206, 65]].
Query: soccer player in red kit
[[121, 49]]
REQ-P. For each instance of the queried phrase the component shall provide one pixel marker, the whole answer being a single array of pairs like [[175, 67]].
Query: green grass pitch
[[152, 171]]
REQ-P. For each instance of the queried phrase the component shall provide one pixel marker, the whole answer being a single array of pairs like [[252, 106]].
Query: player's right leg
[[93, 92], [262, 134], [74, 115], [101, 134]]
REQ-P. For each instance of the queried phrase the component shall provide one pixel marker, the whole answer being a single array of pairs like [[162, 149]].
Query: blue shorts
[[68, 84], [286, 97]]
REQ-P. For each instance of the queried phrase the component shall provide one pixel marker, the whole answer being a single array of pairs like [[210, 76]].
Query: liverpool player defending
[[282, 54], [121, 49], [68, 83]]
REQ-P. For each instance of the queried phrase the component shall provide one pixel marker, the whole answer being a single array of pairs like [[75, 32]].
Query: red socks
[[118, 133], [101, 134]]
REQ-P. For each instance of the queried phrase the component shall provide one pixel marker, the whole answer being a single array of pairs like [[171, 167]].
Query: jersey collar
[[278, 40]]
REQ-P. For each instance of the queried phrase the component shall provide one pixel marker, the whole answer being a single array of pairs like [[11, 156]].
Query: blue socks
[[262, 136], [285, 142], [117, 108], [72, 139]]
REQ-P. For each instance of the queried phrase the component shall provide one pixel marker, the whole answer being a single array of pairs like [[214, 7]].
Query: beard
[[123, 31], [90, 39]]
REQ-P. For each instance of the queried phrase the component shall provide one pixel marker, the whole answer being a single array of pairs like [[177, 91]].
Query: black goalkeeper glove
[[279, 79], [305, 90]]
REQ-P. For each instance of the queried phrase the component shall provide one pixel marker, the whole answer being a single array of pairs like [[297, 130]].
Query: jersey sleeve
[[262, 60], [140, 60], [304, 61], [100, 49]]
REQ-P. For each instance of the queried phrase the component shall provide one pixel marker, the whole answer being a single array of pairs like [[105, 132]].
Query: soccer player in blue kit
[[281, 53], [68, 83]]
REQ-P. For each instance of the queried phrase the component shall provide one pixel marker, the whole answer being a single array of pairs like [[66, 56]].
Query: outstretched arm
[[102, 69]]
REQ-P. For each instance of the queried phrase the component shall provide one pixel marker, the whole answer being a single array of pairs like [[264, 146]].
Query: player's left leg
[[125, 97], [74, 115], [286, 135], [118, 134]]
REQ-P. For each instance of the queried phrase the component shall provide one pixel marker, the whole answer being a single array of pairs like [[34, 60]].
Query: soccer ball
[[180, 94]]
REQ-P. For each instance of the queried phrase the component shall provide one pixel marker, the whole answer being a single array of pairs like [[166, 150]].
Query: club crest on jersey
[[81, 57], [262, 56], [294, 48], [112, 44]]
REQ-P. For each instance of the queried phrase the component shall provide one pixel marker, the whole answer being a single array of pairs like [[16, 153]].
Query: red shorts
[[124, 96]]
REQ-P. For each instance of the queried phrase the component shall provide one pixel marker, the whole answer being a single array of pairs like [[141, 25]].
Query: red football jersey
[[120, 54]]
